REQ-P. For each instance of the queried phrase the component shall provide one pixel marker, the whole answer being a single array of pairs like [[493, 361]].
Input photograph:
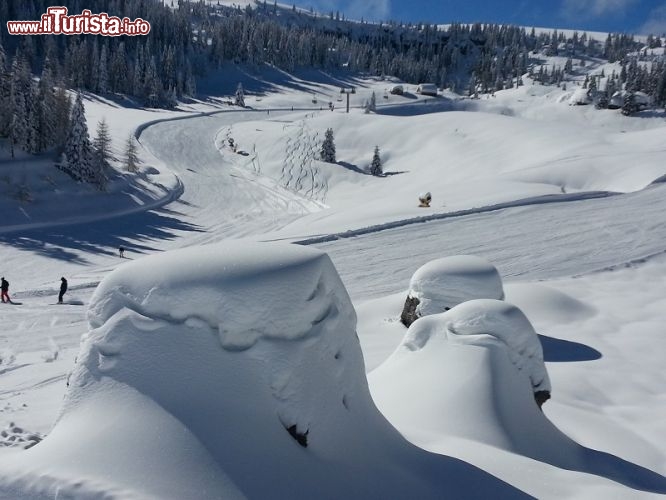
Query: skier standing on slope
[[4, 286], [63, 289]]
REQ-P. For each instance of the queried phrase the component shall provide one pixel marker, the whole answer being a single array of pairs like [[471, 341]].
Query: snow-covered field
[[194, 364]]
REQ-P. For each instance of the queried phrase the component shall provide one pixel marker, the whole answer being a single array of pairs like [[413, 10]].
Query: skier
[[63, 289], [121, 251], [4, 286]]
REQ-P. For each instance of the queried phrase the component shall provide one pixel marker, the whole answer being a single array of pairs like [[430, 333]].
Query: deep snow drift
[[228, 371]]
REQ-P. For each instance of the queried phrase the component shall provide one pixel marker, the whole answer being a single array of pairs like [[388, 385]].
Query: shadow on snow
[[558, 350], [134, 232]]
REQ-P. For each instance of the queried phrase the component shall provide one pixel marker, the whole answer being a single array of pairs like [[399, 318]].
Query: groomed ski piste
[[219, 360]]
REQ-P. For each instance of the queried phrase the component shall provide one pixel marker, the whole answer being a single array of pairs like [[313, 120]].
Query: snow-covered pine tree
[[102, 142], [376, 165], [5, 87], [94, 66], [152, 85], [629, 106], [61, 116], [660, 89], [103, 81], [119, 78], [131, 159], [101, 154], [190, 82], [138, 72], [171, 98], [328, 147], [45, 113], [168, 69], [78, 158], [240, 95], [19, 95], [33, 119], [371, 104]]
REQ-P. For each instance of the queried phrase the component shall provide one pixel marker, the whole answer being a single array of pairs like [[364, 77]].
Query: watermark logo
[[56, 22]]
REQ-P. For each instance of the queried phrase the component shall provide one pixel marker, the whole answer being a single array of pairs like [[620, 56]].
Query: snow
[[489, 408], [473, 321], [579, 97], [492, 353], [444, 283], [198, 362], [560, 199]]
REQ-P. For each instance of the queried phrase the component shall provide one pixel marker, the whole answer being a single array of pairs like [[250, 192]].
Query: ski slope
[[225, 198], [530, 242], [587, 270]]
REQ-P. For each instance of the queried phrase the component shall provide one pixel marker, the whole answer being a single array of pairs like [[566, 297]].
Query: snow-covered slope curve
[[221, 191], [231, 371]]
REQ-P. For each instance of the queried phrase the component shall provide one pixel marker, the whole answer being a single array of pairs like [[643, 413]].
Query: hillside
[[249, 343]]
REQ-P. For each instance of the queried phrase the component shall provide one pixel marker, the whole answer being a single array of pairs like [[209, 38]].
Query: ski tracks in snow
[[299, 171], [225, 191]]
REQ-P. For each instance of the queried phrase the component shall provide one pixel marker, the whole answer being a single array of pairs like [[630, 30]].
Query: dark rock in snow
[[409, 314], [300, 437]]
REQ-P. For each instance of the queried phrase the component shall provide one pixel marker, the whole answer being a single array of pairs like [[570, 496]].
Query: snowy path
[[222, 195], [220, 198], [531, 242]]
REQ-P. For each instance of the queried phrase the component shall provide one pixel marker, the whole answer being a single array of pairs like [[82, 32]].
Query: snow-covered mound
[[228, 371], [444, 283], [476, 367], [547, 304], [471, 322], [466, 376]]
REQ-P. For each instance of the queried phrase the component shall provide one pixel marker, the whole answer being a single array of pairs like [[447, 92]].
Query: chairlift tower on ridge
[[347, 91]]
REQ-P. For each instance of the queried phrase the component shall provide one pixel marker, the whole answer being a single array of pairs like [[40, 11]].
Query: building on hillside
[[427, 89], [547, 50], [641, 100], [565, 49], [616, 100], [580, 97], [397, 90]]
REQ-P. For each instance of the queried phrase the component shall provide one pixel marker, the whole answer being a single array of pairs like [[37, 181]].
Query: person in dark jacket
[[4, 286], [63, 289]]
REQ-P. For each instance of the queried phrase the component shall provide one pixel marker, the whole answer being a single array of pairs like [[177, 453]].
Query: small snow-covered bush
[[444, 283]]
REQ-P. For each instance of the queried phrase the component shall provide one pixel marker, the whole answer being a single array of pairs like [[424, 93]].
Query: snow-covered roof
[[580, 96]]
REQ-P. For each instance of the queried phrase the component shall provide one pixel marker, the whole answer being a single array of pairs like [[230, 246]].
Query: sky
[[625, 16]]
